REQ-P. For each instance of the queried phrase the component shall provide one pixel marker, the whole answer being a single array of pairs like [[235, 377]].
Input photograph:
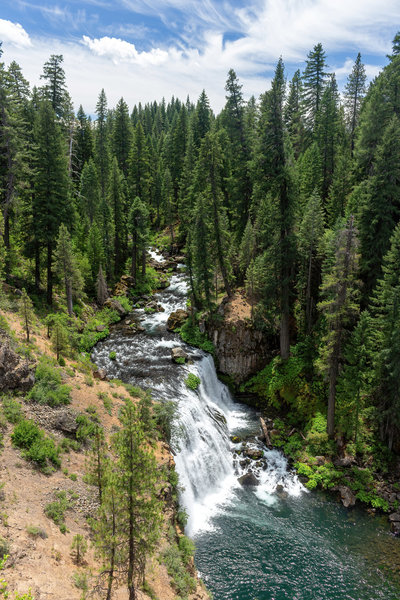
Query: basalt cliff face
[[240, 349]]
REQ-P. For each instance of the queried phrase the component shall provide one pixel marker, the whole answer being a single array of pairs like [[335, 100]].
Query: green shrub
[[56, 510], [186, 548], [12, 410], [184, 583], [35, 531], [48, 388], [86, 427], [192, 381], [191, 334], [25, 434], [112, 355], [180, 360], [36, 446]]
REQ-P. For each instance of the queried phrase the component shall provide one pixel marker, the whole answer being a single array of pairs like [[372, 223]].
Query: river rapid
[[274, 541]]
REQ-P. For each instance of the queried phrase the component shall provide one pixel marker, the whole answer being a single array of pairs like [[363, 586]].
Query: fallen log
[[265, 432]]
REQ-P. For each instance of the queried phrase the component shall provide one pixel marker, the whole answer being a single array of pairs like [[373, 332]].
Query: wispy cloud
[[193, 50], [14, 33]]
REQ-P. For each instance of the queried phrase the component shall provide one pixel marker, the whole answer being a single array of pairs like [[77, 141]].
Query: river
[[275, 541]]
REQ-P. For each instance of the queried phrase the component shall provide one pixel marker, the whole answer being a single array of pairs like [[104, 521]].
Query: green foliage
[[79, 547], [191, 334], [12, 410], [192, 381], [56, 510], [86, 427], [112, 355], [36, 446], [91, 334], [176, 560], [48, 388], [35, 531]]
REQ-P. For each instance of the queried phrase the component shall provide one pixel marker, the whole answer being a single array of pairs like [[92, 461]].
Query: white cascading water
[[205, 457]]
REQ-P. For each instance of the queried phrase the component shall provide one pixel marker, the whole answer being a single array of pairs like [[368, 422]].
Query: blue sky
[[146, 49]]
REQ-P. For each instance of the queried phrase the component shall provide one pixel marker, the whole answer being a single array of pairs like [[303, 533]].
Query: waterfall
[[207, 462]]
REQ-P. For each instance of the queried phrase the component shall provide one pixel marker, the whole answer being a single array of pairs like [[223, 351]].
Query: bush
[[36, 446], [48, 388], [86, 427], [35, 532], [176, 563], [56, 510], [191, 334], [192, 381], [112, 355], [12, 410]]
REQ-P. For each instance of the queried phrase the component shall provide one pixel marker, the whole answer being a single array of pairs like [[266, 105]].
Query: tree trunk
[[144, 262], [284, 339], [49, 273], [112, 552], [68, 292], [37, 266], [134, 258]]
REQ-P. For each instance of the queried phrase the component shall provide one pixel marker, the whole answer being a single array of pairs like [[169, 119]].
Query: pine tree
[[294, 114], [139, 228], [95, 252], [339, 306], [276, 180], [55, 90], [354, 95], [101, 287], [387, 329], [122, 136], [102, 152], [354, 384], [208, 179], [202, 250], [82, 143], [116, 201], [381, 211], [89, 191], [26, 312], [59, 333], [314, 78], [67, 267], [51, 204], [201, 122], [139, 509], [326, 133], [233, 120], [309, 245], [139, 166]]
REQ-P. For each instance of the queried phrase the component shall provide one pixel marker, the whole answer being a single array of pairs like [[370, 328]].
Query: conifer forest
[[289, 202]]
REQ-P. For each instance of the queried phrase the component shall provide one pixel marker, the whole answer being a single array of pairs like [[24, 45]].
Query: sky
[[144, 50]]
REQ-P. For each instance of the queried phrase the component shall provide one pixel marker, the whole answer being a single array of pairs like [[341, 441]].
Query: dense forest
[[294, 197]]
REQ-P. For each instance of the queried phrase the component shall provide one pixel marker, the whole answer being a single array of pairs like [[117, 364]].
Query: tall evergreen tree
[[314, 78], [122, 136], [51, 204], [139, 228], [67, 267], [354, 94], [339, 305]]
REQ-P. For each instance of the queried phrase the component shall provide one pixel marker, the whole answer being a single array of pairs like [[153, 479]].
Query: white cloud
[[14, 33], [118, 49], [200, 57]]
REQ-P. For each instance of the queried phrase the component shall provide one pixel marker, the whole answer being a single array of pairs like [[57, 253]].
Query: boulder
[[100, 374], [177, 319], [394, 519], [253, 453], [177, 353], [346, 495], [235, 439], [249, 479], [15, 372], [115, 305], [319, 460], [66, 422], [346, 461]]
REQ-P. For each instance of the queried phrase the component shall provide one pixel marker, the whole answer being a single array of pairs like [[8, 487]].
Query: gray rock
[[254, 453], [177, 353], [177, 319], [115, 305], [100, 374], [15, 372], [249, 479], [66, 422], [346, 461], [346, 495]]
